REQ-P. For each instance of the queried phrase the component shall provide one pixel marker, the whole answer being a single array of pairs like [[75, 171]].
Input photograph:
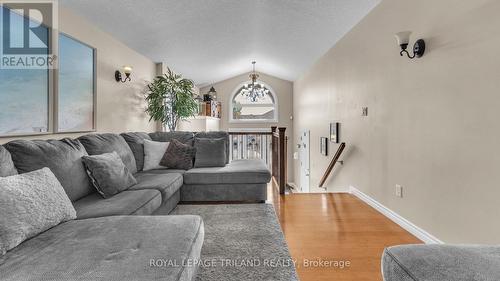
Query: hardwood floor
[[336, 227]]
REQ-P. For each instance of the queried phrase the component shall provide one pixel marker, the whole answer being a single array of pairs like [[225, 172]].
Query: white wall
[[433, 123], [283, 90], [120, 106]]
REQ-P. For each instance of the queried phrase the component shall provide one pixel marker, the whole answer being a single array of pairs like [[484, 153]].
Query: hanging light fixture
[[254, 91]]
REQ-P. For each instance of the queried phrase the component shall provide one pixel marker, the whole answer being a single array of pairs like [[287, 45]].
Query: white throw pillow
[[153, 152], [31, 203]]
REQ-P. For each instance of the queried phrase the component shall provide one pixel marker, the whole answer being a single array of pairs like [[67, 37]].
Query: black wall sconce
[[118, 75], [403, 38]]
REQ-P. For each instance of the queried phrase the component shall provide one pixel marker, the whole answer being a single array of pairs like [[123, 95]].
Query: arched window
[[244, 109]]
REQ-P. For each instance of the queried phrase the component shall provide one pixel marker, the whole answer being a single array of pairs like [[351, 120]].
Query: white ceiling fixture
[[212, 40]]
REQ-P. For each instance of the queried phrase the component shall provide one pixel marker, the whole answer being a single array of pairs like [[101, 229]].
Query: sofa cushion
[[7, 167], [184, 137], [129, 202], [108, 173], [136, 143], [165, 170], [441, 262], [238, 171], [31, 203], [153, 152], [210, 152], [178, 156], [62, 157], [166, 183], [106, 143], [216, 135], [109, 248], [240, 192]]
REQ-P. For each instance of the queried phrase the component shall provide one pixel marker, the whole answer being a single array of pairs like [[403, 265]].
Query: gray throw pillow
[[108, 173], [210, 152], [178, 156], [153, 152], [31, 203], [7, 167]]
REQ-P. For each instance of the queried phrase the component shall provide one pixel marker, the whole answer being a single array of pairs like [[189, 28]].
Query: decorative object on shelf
[[323, 146], [211, 108], [212, 93], [237, 107], [403, 38], [254, 91], [207, 97], [127, 70], [200, 102], [334, 132], [171, 98]]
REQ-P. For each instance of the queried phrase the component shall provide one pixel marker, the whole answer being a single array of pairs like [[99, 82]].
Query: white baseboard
[[421, 234]]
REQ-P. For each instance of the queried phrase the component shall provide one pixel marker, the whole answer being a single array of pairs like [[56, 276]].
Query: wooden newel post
[[274, 152], [282, 160]]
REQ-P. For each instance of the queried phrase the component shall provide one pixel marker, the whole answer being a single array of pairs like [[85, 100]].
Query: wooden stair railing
[[279, 157], [332, 164]]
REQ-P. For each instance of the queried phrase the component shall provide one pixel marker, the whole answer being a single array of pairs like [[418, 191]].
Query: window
[[244, 110], [24, 93], [76, 86]]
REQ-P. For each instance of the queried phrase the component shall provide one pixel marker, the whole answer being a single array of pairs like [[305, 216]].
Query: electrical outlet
[[399, 190]]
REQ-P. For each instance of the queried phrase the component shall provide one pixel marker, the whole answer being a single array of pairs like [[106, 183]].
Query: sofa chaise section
[[240, 180], [441, 263], [109, 248]]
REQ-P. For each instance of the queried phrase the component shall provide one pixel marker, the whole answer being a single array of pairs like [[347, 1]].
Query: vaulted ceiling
[[212, 40]]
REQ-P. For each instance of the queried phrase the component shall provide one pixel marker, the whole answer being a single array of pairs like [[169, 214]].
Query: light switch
[[365, 111]]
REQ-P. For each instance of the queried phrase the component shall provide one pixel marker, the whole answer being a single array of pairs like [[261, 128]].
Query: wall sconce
[[403, 41], [118, 75]]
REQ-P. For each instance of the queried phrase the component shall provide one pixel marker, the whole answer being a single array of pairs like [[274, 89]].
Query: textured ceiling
[[212, 40]]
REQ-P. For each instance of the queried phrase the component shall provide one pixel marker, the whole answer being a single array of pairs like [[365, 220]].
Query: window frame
[[236, 91], [51, 73], [55, 119], [53, 92]]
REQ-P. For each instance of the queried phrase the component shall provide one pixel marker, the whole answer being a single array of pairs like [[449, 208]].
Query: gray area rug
[[242, 242]]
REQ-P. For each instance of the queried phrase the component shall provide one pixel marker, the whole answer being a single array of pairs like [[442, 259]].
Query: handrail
[[251, 145], [332, 164], [249, 133]]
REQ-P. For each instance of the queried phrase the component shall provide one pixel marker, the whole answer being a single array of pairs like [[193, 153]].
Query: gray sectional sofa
[[441, 263], [116, 238]]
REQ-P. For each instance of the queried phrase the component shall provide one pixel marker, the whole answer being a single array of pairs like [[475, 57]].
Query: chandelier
[[254, 91]]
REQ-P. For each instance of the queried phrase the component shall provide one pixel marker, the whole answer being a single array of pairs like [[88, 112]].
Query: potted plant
[[170, 99]]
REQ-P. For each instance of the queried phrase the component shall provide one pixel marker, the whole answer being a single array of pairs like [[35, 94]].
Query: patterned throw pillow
[[178, 156], [31, 203]]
